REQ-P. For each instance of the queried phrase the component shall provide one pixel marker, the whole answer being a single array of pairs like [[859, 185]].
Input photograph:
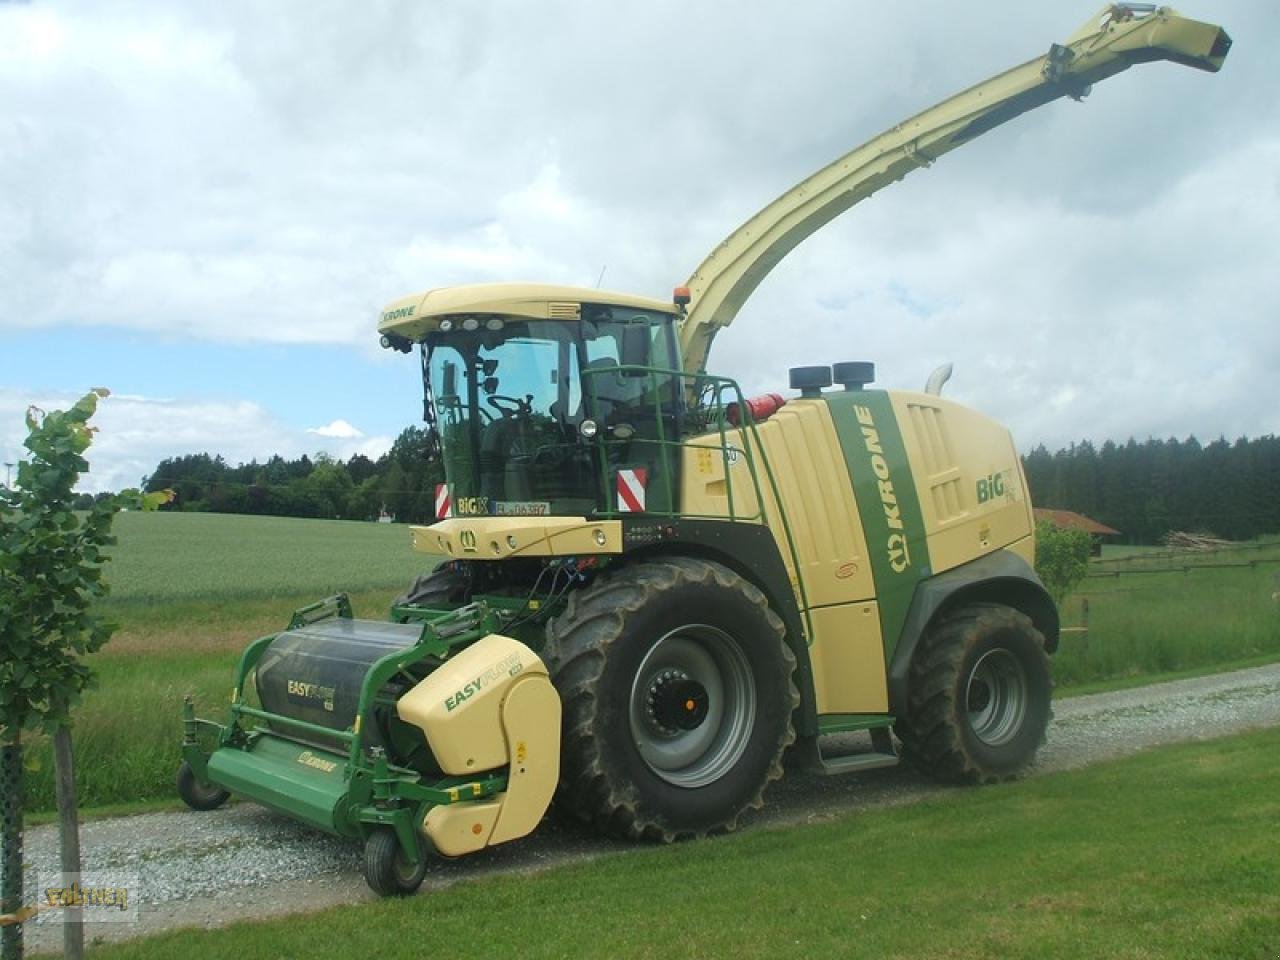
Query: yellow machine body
[[951, 454]]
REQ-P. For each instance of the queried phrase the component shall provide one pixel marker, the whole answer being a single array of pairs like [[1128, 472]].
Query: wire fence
[[1185, 561], [1183, 568]]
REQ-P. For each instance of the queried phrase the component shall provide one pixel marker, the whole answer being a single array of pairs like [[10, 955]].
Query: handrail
[[714, 414]]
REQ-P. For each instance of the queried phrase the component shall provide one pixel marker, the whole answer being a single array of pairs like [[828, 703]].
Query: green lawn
[[1170, 854]]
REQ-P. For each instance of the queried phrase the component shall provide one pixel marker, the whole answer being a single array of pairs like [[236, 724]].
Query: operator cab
[[540, 395]]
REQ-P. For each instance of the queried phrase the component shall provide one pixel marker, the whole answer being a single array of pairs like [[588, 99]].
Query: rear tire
[[197, 795], [387, 870], [676, 685], [979, 703]]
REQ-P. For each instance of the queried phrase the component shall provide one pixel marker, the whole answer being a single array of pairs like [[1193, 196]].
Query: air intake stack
[[854, 374], [810, 380]]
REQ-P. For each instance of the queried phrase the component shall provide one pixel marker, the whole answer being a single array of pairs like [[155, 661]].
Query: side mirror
[[449, 381], [634, 348]]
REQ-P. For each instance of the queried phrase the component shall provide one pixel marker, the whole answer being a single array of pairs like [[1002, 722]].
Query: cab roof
[[417, 315]]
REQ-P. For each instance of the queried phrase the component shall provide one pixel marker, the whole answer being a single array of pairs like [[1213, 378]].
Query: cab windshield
[[510, 396]]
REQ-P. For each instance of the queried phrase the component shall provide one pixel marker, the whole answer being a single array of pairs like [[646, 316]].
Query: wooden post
[[11, 788], [69, 837]]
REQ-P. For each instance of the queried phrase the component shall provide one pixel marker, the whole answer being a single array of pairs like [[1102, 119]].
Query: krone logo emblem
[[468, 540]]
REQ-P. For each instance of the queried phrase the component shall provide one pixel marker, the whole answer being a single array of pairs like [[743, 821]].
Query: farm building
[[1070, 520]]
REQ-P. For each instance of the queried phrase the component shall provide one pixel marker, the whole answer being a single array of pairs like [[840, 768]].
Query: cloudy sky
[[204, 205]]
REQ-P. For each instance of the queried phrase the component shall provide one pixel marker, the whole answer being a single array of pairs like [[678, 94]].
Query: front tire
[[979, 701], [676, 684]]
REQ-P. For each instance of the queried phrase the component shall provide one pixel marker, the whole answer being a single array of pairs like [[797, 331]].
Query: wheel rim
[[996, 697], [701, 671], [406, 873]]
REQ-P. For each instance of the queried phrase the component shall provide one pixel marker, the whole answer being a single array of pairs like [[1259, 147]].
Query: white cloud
[[338, 429], [136, 433]]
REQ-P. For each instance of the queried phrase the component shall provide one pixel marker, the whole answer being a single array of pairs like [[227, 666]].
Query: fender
[[1000, 577]]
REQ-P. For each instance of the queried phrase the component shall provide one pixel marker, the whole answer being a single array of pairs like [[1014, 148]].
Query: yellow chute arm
[[1119, 36]]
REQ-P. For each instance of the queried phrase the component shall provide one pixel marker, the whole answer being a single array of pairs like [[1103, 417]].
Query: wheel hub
[[676, 702], [692, 705], [996, 697], [979, 695]]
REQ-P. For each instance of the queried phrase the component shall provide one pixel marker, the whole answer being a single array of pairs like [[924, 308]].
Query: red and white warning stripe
[[631, 484], [444, 502]]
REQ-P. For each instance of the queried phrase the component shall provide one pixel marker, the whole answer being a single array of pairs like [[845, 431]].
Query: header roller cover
[[490, 706], [459, 707]]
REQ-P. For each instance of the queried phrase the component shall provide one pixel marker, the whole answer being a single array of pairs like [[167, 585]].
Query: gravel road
[[242, 861]]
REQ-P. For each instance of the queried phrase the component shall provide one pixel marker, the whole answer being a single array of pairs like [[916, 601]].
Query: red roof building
[[1069, 520]]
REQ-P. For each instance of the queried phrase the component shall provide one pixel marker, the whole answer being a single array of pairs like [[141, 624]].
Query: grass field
[[1171, 854], [191, 590], [1153, 613], [166, 557]]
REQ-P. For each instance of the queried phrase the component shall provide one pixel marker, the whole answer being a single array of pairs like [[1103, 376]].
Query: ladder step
[[881, 754], [869, 760]]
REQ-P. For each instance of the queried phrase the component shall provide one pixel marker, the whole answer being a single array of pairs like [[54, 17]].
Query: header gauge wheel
[[677, 689], [198, 795], [386, 868]]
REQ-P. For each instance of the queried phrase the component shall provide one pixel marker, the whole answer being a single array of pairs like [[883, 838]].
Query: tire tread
[[931, 737]]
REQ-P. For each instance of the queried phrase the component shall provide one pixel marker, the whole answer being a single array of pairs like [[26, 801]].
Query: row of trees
[[1146, 489], [1142, 489], [402, 482]]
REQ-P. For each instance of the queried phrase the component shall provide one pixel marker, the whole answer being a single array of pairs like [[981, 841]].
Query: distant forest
[[1142, 489], [401, 481], [1147, 489]]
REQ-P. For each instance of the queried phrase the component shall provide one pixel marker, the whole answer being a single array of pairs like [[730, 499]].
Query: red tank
[[761, 408]]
